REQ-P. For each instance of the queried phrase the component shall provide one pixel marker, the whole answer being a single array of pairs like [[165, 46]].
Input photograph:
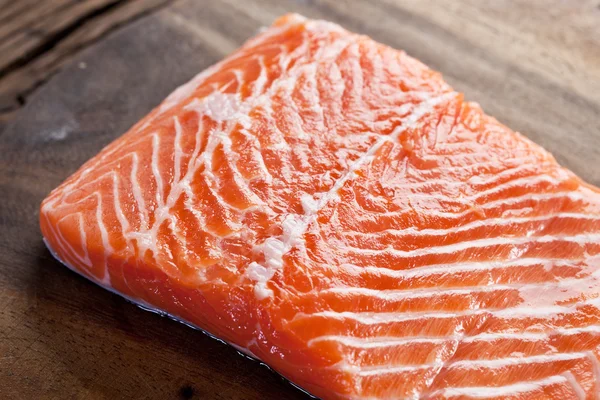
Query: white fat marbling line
[[596, 365], [57, 234], [391, 341], [595, 329], [491, 222], [177, 150], [262, 166], [408, 294], [125, 228], [519, 312], [273, 250], [474, 168], [531, 336], [575, 385], [542, 294], [523, 165], [523, 312], [394, 370], [261, 80], [137, 192], [83, 237], [513, 201], [309, 204], [511, 361], [244, 121], [492, 336], [453, 268], [376, 370], [66, 246], [261, 276], [581, 239], [372, 318], [380, 342], [483, 392], [478, 180], [513, 183], [570, 195], [468, 364], [423, 293], [108, 249], [156, 170], [220, 107]]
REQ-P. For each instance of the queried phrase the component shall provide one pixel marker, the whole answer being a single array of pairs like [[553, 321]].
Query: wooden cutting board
[[535, 65]]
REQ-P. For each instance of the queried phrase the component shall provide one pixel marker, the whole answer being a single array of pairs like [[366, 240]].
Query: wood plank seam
[[54, 39]]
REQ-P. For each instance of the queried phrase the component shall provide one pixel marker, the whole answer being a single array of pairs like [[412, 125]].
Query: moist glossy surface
[[330, 205]]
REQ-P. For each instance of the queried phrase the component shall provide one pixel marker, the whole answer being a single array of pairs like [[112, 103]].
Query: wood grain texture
[[535, 65], [37, 37]]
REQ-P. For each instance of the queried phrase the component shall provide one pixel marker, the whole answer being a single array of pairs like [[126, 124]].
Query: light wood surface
[[535, 65]]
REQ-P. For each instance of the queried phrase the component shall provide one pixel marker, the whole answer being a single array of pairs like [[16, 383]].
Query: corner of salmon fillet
[[289, 19]]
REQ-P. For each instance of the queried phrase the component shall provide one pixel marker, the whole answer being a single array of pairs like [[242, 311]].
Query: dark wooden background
[[76, 74]]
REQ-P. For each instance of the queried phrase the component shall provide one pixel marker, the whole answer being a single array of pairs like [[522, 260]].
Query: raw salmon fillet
[[332, 207]]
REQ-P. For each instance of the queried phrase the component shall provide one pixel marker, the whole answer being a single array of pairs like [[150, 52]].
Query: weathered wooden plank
[[38, 24], [46, 34]]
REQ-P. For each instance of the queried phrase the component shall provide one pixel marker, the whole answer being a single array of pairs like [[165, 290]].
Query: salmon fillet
[[332, 207]]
